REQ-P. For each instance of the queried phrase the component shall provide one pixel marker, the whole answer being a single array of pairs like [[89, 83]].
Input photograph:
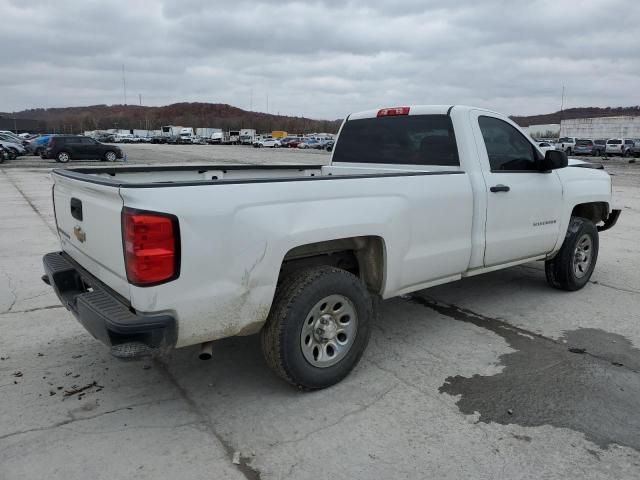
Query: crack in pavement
[[243, 467], [12, 290], [361, 409], [29, 310], [30, 203], [73, 419]]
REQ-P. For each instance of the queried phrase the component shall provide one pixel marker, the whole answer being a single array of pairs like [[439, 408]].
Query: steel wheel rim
[[582, 256], [329, 331], [111, 156]]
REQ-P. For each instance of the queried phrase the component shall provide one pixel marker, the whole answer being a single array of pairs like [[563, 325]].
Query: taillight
[[392, 112], [151, 243]]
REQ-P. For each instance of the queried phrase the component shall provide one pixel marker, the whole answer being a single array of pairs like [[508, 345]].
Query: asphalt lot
[[496, 376]]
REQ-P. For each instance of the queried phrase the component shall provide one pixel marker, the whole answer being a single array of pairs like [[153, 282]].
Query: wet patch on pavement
[[587, 381]]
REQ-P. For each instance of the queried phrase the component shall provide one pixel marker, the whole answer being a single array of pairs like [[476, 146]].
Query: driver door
[[523, 204]]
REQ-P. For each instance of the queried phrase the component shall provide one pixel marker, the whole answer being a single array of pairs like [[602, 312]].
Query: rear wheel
[[568, 151], [318, 327], [63, 157], [573, 266]]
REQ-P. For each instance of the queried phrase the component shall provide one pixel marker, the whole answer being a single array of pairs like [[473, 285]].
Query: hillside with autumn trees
[[214, 115], [227, 117]]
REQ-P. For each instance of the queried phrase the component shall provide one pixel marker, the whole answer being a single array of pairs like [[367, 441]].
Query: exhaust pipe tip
[[206, 351]]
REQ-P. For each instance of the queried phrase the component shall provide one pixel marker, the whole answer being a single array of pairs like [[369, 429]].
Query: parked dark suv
[[79, 147]]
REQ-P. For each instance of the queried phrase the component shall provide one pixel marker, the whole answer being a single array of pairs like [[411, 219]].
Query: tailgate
[[89, 224]]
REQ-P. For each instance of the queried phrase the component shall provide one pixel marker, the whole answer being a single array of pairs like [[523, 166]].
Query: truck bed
[[238, 223]]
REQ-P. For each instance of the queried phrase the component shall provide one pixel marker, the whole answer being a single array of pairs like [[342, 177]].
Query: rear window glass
[[411, 139], [599, 142], [584, 142], [564, 140], [614, 142]]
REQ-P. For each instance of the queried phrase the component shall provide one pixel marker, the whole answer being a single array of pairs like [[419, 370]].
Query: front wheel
[[318, 327], [573, 266], [110, 156]]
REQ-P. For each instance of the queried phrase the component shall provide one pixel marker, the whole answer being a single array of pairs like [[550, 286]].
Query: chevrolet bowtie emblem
[[80, 235]]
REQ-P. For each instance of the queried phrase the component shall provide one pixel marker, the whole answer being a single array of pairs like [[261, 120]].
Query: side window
[[507, 148], [86, 141]]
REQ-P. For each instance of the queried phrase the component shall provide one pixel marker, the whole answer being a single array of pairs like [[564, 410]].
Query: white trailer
[[170, 131], [247, 136], [211, 135]]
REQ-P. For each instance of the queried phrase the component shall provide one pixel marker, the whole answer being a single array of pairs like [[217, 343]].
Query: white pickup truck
[[157, 257]]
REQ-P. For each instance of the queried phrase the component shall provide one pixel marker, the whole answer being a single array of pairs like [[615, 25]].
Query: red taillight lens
[[392, 112], [150, 242]]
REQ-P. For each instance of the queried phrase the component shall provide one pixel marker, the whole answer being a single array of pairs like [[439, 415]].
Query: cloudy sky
[[321, 59]]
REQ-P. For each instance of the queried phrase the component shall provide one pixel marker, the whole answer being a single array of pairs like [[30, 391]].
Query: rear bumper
[[103, 313]]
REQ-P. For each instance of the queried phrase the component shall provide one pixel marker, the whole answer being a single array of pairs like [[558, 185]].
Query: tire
[[63, 157], [568, 152], [569, 270], [110, 156], [303, 304]]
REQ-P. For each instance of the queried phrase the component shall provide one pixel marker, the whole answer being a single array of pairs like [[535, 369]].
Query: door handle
[[500, 188]]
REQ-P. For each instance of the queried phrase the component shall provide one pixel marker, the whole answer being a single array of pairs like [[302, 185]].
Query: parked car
[[300, 252], [329, 146], [583, 146], [106, 138], [310, 143], [599, 147], [619, 146], [290, 142], [37, 145], [12, 137], [545, 146], [268, 143], [635, 151], [79, 147], [566, 145], [16, 149]]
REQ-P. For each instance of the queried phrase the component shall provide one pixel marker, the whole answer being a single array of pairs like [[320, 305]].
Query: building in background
[[601, 127]]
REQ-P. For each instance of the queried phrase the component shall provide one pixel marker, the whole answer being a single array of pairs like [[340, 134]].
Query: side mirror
[[553, 159]]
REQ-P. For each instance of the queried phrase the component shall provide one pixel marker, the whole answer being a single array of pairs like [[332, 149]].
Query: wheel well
[[594, 211], [362, 256]]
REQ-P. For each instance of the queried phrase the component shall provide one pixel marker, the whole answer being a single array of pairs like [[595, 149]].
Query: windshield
[[614, 142], [411, 139], [584, 142]]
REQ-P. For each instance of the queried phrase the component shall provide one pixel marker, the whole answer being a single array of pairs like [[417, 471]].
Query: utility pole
[[124, 86], [561, 109], [267, 103], [251, 100], [140, 97]]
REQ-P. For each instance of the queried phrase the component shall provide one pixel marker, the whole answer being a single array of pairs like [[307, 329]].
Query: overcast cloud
[[321, 59]]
